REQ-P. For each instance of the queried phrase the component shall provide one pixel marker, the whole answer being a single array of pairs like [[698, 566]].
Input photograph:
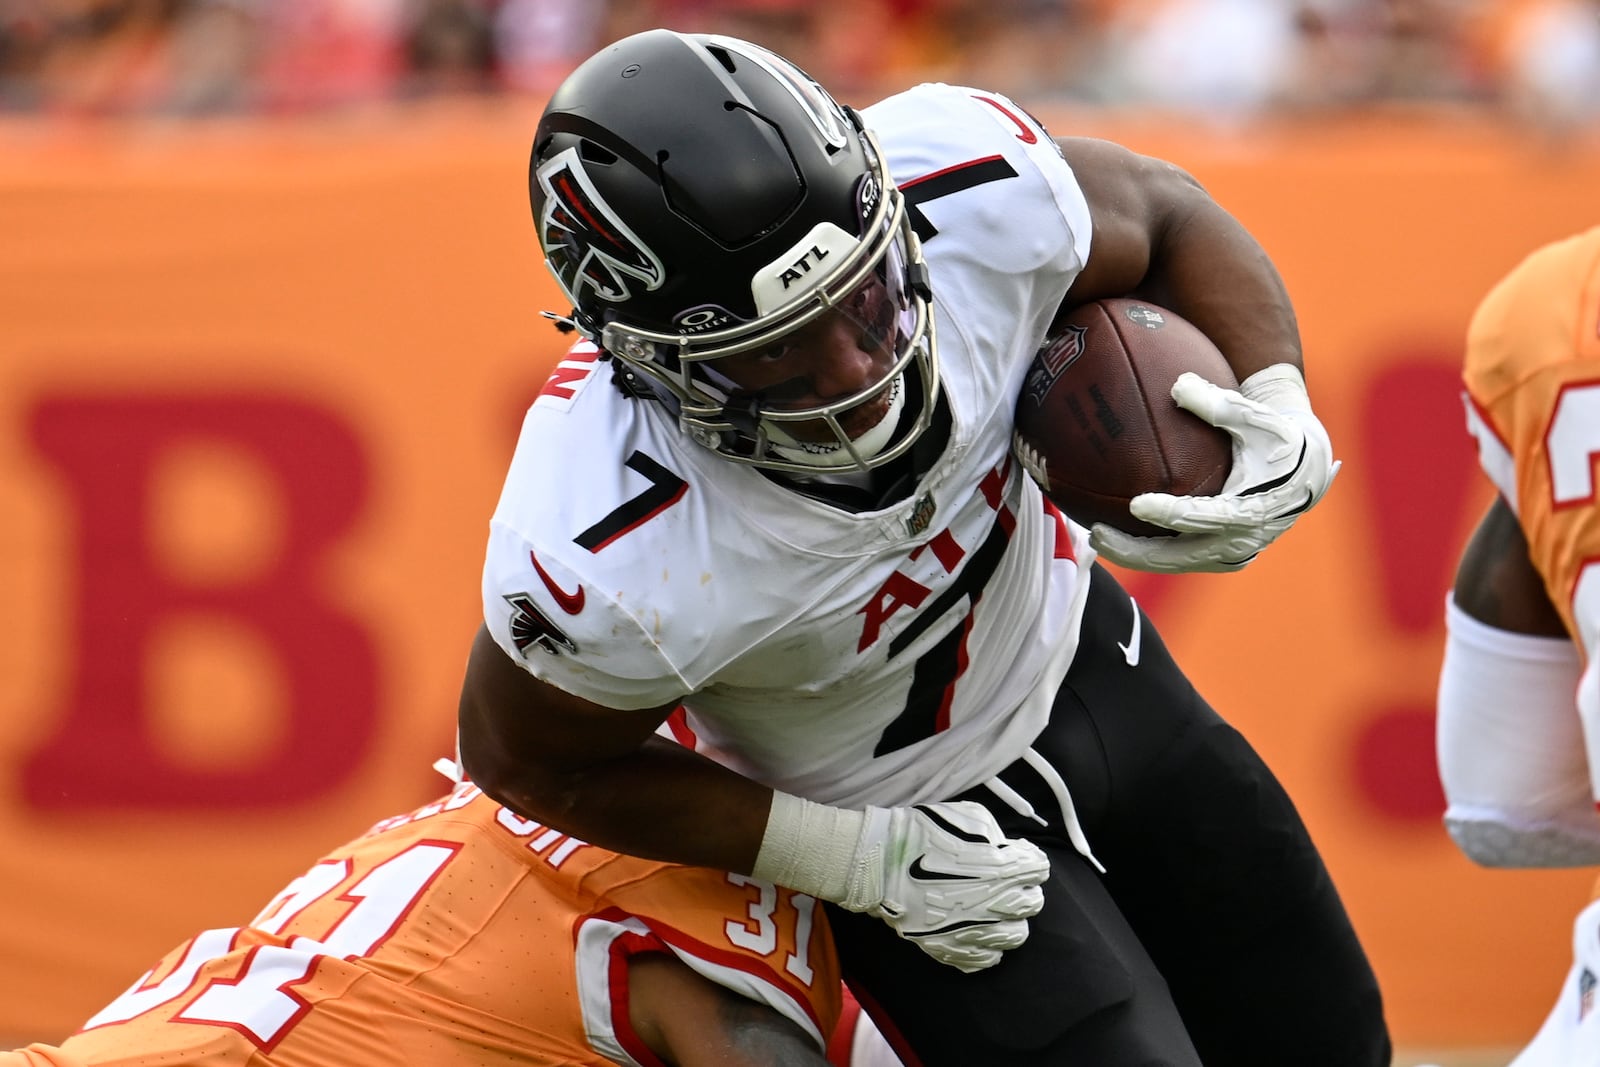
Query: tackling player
[[776, 487], [463, 935], [1519, 694]]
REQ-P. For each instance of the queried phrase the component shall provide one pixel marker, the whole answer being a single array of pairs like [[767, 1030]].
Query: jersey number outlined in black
[[666, 489]]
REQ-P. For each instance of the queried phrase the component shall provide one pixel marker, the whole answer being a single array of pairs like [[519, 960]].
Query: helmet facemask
[[877, 283]]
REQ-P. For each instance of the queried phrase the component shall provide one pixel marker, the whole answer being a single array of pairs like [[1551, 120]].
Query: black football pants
[[1215, 937]]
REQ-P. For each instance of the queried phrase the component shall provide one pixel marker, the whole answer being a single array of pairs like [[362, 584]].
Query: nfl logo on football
[[1058, 353]]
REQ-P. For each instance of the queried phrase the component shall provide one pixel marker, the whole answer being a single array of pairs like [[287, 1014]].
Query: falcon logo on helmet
[[586, 244]]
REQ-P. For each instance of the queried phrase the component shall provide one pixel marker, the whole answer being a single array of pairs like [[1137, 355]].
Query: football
[[1096, 424]]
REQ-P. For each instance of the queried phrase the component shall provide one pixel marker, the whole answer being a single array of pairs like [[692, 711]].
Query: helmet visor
[[831, 389], [823, 371], [846, 354]]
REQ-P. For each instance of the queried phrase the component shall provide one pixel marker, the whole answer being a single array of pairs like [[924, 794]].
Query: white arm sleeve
[[1586, 612], [1511, 748]]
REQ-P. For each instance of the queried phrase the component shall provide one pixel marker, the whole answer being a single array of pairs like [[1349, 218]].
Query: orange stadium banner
[[258, 387]]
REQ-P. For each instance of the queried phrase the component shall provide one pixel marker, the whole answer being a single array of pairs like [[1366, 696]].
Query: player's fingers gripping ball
[[1282, 458], [1096, 424], [1131, 422], [1185, 554]]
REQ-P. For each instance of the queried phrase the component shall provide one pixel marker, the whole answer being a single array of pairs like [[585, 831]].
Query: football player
[[775, 485], [1519, 695], [464, 934]]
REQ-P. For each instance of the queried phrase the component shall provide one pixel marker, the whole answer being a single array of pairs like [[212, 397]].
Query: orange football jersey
[[459, 934], [1533, 381]]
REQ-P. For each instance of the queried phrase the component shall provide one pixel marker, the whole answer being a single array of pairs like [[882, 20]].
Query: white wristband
[[1281, 387], [809, 846]]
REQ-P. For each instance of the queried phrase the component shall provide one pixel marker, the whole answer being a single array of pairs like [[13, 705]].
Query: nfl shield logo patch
[[921, 515], [1057, 354]]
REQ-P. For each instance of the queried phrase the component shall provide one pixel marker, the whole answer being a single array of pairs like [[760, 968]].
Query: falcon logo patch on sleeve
[[530, 626], [588, 246]]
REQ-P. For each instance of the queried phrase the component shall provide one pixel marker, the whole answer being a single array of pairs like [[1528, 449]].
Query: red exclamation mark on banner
[[1419, 477]]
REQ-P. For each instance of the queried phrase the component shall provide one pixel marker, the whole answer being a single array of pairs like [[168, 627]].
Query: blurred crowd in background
[[1533, 60]]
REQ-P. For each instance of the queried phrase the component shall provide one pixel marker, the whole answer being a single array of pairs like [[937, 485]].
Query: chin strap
[[567, 323], [835, 456]]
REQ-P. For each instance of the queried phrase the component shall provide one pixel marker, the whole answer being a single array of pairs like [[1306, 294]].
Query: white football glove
[[1282, 465], [944, 876]]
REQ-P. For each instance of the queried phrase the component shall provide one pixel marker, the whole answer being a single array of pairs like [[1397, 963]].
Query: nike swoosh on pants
[[1130, 651]]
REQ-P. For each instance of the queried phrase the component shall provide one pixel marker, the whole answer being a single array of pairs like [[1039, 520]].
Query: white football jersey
[[884, 656]]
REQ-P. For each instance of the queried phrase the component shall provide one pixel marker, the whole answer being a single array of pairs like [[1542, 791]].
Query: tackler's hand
[[1282, 465]]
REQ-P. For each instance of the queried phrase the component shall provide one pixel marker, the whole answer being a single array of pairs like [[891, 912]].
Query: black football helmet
[[698, 196]]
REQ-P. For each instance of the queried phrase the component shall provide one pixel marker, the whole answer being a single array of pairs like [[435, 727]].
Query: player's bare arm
[[1159, 235], [603, 776], [600, 774], [691, 1022], [1496, 582]]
